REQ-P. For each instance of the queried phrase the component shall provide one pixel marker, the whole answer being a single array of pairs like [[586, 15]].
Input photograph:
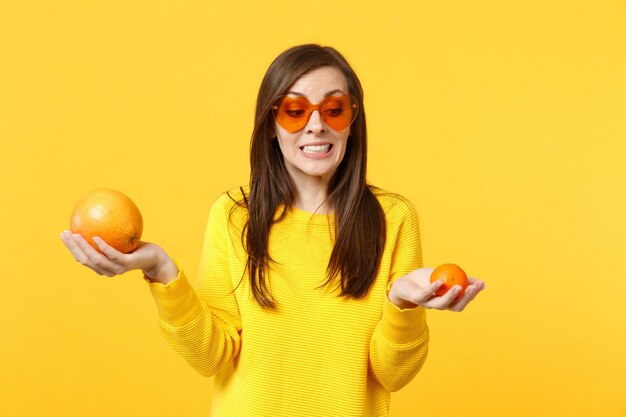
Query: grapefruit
[[110, 215]]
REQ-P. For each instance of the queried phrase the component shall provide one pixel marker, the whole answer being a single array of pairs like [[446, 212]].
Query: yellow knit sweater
[[318, 354]]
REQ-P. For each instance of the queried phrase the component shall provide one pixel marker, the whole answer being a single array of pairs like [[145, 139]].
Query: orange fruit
[[451, 275], [110, 215]]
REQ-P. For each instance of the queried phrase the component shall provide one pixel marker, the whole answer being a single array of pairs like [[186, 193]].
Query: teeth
[[316, 148]]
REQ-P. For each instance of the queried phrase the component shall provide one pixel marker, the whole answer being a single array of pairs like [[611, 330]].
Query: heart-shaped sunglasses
[[293, 113]]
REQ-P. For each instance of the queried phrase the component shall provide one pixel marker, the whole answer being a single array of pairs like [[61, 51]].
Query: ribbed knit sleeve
[[204, 326], [399, 344]]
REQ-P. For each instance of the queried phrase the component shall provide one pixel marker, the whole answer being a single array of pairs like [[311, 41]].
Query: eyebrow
[[330, 93]]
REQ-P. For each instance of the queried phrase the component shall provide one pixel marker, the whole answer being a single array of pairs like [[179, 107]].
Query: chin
[[318, 171]]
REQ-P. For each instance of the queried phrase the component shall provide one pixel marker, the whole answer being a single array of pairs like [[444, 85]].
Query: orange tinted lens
[[292, 113], [338, 112]]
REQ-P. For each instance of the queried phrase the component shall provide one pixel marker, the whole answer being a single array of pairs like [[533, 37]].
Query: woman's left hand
[[416, 289]]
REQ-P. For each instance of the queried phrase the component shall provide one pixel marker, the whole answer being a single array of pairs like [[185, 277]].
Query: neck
[[311, 193]]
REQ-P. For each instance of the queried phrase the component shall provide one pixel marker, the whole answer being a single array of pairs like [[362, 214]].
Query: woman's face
[[316, 150]]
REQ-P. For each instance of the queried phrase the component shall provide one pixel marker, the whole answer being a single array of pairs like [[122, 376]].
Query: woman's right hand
[[148, 257]]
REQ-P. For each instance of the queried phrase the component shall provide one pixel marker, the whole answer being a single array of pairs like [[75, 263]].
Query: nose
[[315, 123]]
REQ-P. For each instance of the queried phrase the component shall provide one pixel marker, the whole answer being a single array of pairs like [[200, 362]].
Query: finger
[[477, 282], [443, 302], [97, 261], [71, 245], [110, 252], [119, 261], [78, 254], [433, 287], [470, 293]]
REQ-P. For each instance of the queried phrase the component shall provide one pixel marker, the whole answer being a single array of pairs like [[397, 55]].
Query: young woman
[[311, 294]]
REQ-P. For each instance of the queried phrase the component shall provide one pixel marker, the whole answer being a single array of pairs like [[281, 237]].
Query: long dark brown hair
[[359, 218]]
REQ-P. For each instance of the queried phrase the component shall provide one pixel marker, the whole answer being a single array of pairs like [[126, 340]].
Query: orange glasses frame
[[293, 113]]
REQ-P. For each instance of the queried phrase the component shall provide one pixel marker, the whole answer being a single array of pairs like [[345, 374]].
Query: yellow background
[[503, 122]]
